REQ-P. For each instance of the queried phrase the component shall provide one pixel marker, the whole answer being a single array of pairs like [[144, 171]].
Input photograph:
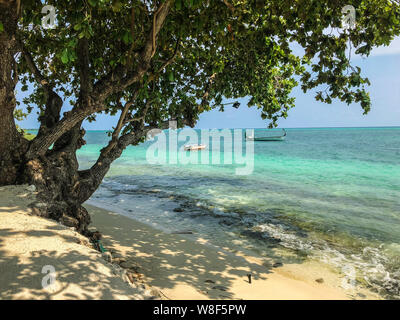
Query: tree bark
[[91, 179], [56, 178], [12, 145]]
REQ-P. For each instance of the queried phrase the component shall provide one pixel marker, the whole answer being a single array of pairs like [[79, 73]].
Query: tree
[[152, 61]]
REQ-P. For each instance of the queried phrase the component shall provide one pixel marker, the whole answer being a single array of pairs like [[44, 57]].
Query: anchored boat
[[194, 147], [266, 138]]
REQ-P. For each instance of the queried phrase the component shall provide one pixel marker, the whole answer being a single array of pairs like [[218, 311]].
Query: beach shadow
[[78, 274], [169, 260]]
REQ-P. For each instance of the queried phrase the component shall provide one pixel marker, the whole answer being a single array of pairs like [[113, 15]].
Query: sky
[[382, 68]]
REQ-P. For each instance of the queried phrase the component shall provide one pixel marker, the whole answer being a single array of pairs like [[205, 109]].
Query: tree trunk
[[12, 146], [56, 178], [54, 174]]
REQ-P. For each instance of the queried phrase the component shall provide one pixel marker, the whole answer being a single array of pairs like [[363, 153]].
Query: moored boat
[[194, 147]]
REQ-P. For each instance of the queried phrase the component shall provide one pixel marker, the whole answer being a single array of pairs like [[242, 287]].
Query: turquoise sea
[[330, 194]]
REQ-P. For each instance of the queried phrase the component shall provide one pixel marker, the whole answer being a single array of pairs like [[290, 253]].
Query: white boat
[[194, 147]]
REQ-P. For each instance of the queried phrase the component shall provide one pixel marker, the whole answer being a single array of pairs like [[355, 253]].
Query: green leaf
[[65, 56], [116, 6], [127, 37], [1, 27]]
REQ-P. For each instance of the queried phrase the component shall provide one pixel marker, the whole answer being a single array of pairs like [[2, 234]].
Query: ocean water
[[331, 195]]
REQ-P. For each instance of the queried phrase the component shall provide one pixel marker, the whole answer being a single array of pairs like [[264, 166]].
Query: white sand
[[182, 268], [28, 243]]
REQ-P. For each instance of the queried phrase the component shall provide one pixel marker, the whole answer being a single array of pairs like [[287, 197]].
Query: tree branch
[[113, 82], [170, 60], [32, 66], [121, 79], [118, 128], [41, 144], [91, 179], [53, 101], [230, 6], [84, 71], [207, 89], [142, 117]]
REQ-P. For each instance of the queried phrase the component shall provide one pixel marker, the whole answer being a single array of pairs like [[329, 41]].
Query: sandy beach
[[30, 244], [164, 266], [181, 268]]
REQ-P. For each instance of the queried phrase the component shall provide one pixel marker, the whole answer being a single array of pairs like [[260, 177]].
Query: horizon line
[[31, 129]]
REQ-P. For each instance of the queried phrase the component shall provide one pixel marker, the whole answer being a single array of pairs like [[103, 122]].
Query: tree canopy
[[102, 53]]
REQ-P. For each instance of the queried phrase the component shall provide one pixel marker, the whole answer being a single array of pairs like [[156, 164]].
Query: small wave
[[370, 266]]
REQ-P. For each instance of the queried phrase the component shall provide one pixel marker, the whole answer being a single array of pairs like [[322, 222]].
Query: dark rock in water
[[319, 280], [186, 205], [302, 234], [182, 232], [209, 281], [221, 288], [227, 222], [260, 236], [277, 264], [253, 234], [179, 209], [272, 241]]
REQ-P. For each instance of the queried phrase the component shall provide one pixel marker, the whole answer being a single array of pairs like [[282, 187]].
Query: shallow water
[[327, 194]]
